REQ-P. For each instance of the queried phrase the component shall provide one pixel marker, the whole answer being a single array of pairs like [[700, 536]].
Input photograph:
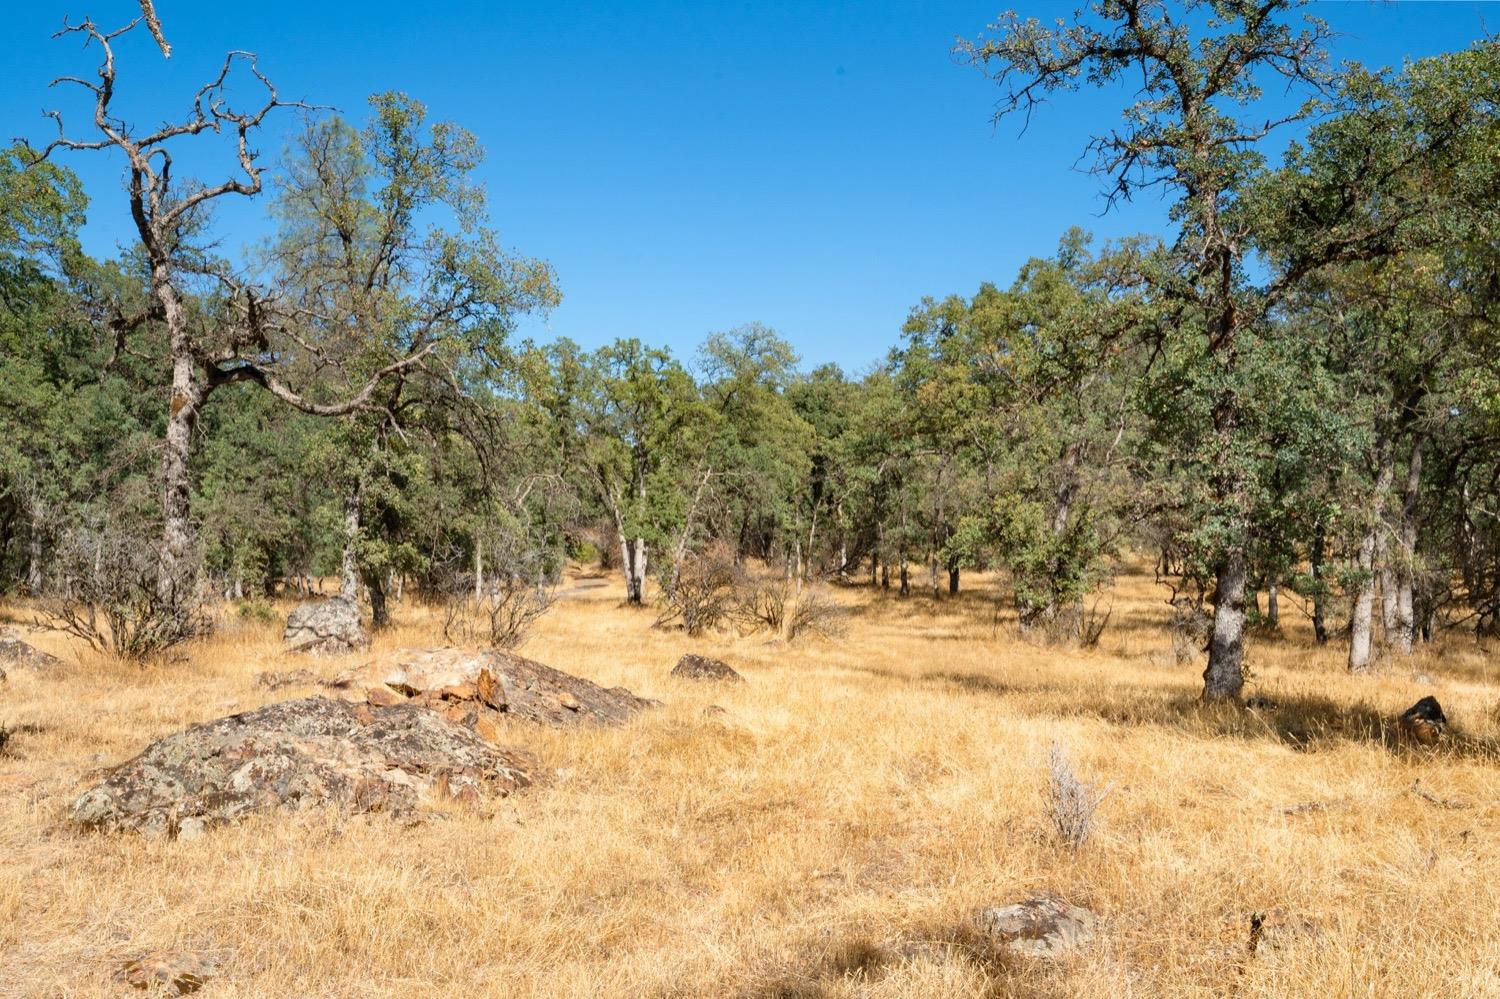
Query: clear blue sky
[[686, 167]]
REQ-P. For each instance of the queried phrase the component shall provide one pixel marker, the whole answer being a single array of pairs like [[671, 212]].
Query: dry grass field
[[853, 797]]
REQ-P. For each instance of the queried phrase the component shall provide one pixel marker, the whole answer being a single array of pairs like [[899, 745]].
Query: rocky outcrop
[[325, 626], [297, 754], [696, 667], [1044, 926], [483, 686], [15, 653]]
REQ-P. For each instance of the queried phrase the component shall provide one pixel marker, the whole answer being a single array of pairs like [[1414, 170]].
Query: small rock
[[291, 678], [696, 667], [325, 626], [382, 696], [1044, 927], [177, 972], [1423, 722], [1422, 679]]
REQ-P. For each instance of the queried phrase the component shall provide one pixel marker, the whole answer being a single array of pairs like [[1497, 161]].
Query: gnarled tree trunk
[[1224, 677]]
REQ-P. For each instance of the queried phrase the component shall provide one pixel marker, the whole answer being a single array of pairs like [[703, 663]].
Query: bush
[[705, 593], [109, 595], [792, 612], [258, 610], [1071, 802], [1190, 625]]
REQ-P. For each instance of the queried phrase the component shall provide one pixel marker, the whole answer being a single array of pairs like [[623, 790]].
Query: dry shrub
[[1190, 625], [500, 615], [1071, 803], [790, 610], [705, 593], [108, 594]]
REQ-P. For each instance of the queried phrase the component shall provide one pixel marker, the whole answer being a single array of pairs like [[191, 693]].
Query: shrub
[[793, 612], [704, 594], [109, 595], [1071, 803]]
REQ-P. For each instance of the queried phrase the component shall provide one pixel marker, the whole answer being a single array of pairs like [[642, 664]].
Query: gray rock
[[299, 754], [325, 626], [696, 667], [1044, 927], [16, 653]]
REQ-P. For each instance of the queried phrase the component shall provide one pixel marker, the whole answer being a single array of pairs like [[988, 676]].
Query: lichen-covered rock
[[1044, 927], [696, 667], [298, 754], [275, 680], [16, 653], [325, 626], [469, 685]]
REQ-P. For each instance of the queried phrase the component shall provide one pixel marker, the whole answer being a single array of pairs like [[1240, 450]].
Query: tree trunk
[[1387, 587], [379, 615], [874, 570], [634, 554], [478, 571], [905, 576], [953, 577], [34, 578], [1320, 599], [1224, 677], [1362, 617], [1067, 486], [349, 567], [1273, 606], [173, 582], [885, 575], [932, 570], [1406, 540]]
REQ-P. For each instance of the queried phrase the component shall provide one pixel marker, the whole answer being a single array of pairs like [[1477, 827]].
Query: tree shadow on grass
[[1306, 723]]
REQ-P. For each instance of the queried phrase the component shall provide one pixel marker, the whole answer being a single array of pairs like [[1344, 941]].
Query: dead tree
[[228, 338]]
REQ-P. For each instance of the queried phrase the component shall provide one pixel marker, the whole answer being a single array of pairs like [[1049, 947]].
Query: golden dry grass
[[853, 795]]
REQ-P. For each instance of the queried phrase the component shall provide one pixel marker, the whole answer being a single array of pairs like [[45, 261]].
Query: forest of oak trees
[[1290, 399]]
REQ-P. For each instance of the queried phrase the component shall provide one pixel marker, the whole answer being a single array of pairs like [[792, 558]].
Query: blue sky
[[686, 167]]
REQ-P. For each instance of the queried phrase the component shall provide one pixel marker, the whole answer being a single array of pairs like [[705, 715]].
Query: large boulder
[[298, 754], [16, 653], [478, 686], [330, 626], [696, 667], [1044, 927]]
